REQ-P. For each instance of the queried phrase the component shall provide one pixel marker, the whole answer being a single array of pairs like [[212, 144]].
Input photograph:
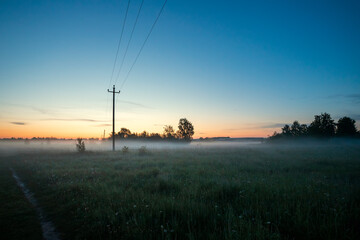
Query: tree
[[154, 136], [80, 145], [304, 129], [286, 131], [295, 129], [346, 127], [186, 129], [124, 133], [298, 129], [144, 134], [169, 132], [322, 126]]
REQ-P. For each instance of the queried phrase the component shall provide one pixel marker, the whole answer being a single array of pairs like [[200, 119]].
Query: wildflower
[[162, 226], [165, 230], [268, 222], [134, 206]]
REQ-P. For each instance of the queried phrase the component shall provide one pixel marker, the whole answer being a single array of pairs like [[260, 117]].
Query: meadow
[[308, 191]]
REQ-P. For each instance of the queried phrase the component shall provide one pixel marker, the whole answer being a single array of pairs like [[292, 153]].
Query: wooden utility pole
[[113, 131]]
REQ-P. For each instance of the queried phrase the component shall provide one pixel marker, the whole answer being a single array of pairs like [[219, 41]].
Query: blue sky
[[233, 68]]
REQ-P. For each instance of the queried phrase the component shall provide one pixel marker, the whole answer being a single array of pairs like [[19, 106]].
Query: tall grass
[[227, 193], [18, 218]]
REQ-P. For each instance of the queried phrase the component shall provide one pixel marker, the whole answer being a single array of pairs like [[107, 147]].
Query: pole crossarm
[[113, 91], [113, 130]]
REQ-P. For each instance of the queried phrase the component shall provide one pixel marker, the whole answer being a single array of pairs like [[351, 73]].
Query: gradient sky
[[233, 68]]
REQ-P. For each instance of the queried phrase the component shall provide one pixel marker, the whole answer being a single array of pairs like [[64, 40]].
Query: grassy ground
[[226, 193], [18, 219]]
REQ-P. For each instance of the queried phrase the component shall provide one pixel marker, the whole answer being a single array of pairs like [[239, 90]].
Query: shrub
[[143, 150], [125, 150], [80, 145]]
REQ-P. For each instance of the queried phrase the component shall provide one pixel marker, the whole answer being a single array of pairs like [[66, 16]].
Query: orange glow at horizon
[[75, 130]]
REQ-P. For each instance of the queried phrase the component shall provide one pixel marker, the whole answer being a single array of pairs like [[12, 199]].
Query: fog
[[12, 147]]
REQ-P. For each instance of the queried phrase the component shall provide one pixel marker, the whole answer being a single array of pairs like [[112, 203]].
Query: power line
[[117, 51], [121, 35], [147, 37], [128, 44]]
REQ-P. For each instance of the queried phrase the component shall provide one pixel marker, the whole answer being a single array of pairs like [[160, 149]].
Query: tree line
[[185, 133], [323, 126]]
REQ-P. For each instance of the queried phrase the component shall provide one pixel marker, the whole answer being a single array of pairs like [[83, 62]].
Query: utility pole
[[113, 131]]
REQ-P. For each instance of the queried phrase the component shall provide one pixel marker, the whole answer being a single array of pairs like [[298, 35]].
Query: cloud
[[134, 104], [273, 125], [256, 126], [72, 120], [355, 97], [18, 123], [103, 125], [41, 110], [36, 109], [232, 129], [353, 116]]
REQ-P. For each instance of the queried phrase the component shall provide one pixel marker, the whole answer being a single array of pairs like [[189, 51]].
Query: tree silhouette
[[185, 132], [322, 126], [154, 136], [80, 145], [286, 131], [346, 127], [169, 132], [124, 133], [186, 129], [298, 129], [144, 134], [295, 130]]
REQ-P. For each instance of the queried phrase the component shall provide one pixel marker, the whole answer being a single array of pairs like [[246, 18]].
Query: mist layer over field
[[13, 147], [9, 147]]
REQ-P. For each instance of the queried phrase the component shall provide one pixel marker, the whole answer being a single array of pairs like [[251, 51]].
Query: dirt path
[[48, 228]]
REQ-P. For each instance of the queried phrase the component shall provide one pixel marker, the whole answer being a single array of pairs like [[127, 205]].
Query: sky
[[232, 68]]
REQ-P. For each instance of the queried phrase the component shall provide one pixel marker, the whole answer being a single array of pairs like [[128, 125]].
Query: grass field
[[259, 192]]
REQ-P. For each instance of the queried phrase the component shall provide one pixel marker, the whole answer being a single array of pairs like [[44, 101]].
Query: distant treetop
[[323, 126]]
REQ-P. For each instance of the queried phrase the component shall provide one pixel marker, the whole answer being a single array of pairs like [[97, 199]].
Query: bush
[[125, 150], [80, 145], [143, 150]]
